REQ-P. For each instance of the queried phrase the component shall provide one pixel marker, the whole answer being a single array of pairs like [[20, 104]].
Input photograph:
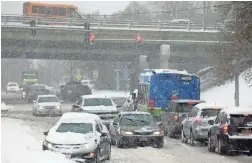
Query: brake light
[[245, 115], [197, 121], [152, 103], [176, 118]]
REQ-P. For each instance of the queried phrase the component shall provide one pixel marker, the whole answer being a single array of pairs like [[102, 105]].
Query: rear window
[[209, 112], [184, 107], [12, 85], [241, 120]]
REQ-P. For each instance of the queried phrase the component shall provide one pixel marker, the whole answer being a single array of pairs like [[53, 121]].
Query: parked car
[[12, 87], [195, 127], [231, 131], [103, 106], [80, 136], [47, 105], [136, 128], [175, 114]]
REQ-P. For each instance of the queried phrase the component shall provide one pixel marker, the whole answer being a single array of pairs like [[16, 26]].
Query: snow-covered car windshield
[[47, 99], [12, 85], [97, 102], [209, 112], [137, 120], [81, 128]]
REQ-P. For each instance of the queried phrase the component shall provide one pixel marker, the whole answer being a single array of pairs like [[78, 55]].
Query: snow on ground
[[224, 94], [18, 146]]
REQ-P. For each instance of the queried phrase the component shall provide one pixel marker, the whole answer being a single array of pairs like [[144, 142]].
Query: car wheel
[[183, 138], [191, 138], [119, 144], [109, 153], [210, 147], [220, 148]]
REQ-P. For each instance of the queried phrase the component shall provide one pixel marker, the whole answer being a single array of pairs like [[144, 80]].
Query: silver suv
[[195, 126]]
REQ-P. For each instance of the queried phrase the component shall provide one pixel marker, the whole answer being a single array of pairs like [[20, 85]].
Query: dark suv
[[231, 131], [176, 112]]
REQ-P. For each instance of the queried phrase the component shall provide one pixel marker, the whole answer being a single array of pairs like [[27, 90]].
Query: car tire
[[119, 144], [109, 154], [183, 138], [191, 139], [220, 148], [209, 145]]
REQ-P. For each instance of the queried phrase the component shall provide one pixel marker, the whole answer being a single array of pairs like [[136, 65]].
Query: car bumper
[[241, 145], [49, 112], [140, 139], [175, 128]]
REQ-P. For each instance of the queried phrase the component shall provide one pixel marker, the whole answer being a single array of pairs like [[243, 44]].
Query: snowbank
[[20, 147], [224, 94]]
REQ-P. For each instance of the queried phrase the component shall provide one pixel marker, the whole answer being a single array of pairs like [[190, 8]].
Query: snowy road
[[174, 151]]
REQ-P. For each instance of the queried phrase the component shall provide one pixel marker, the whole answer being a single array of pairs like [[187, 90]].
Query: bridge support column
[[143, 64], [164, 56], [134, 74]]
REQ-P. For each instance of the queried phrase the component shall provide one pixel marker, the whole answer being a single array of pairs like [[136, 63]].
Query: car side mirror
[[46, 133], [211, 122], [115, 124], [104, 134]]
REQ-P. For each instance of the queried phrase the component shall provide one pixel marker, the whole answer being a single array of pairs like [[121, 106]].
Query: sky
[[105, 7]]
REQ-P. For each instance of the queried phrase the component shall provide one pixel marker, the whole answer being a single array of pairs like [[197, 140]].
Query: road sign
[[79, 77]]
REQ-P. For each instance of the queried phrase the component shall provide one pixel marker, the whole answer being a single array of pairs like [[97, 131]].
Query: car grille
[[143, 133], [50, 107]]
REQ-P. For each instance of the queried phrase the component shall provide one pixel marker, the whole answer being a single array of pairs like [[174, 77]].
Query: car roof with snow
[[47, 96], [133, 112], [75, 117], [209, 105], [238, 110], [188, 100]]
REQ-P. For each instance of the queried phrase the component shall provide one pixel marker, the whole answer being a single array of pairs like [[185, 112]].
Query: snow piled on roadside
[[20, 147], [224, 94]]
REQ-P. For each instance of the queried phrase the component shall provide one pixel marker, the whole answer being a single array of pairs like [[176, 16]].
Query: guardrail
[[158, 25]]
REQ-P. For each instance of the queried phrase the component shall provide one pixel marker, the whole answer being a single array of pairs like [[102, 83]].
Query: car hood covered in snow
[[99, 109], [69, 138]]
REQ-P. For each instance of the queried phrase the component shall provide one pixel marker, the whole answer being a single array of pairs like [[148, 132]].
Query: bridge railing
[[158, 25]]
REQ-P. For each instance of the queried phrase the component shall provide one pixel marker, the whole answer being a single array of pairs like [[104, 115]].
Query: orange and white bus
[[46, 10]]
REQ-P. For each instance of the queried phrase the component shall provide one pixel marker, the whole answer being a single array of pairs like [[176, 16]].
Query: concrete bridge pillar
[[143, 64], [134, 74], [164, 56]]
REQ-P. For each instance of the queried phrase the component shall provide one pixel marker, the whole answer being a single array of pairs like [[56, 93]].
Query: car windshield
[[97, 102], [81, 128], [12, 85], [241, 120], [184, 107], [47, 99], [119, 100], [137, 120], [209, 112], [30, 76]]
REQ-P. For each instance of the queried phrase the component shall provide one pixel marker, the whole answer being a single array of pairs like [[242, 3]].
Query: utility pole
[[117, 77], [204, 14], [236, 78]]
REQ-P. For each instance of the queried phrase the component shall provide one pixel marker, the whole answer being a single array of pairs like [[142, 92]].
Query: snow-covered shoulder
[[16, 140]]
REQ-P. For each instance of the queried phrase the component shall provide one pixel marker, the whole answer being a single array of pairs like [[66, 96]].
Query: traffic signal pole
[[236, 78]]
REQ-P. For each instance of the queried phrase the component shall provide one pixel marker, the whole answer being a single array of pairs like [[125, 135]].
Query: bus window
[[25, 8], [55, 11], [48, 11], [62, 12], [34, 9], [41, 10]]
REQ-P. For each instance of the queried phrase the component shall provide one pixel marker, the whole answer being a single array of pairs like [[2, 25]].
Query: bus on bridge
[[157, 87]]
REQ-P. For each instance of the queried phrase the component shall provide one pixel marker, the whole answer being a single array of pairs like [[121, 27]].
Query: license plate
[[143, 139], [246, 131]]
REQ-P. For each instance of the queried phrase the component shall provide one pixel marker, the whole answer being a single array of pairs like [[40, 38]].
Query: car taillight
[[197, 121], [225, 129], [175, 118]]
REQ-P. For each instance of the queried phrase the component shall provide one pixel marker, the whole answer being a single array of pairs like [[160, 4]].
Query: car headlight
[[126, 133], [58, 107], [161, 132], [41, 107]]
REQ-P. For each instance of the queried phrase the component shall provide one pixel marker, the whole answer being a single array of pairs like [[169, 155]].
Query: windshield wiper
[[132, 120]]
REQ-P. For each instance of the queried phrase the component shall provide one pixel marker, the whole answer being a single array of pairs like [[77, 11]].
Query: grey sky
[[105, 7]]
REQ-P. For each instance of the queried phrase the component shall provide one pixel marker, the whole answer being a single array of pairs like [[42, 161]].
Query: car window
[[12, 84], [47, 99], [209, 112], [97, 102], [81, 128]]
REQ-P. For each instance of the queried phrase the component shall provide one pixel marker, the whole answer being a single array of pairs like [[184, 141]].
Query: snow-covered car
[[12, 87], [195, 127], [47, 105], [231, 131], [100, 105], [80, 136]]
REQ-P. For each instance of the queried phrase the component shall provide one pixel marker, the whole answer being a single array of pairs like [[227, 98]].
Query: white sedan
[[47, 105]]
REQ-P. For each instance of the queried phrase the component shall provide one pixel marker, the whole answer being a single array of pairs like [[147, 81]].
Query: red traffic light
[[92, 37], [139, 39]]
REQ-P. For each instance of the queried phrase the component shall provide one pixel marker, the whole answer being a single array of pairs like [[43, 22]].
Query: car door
[[102, 139], [215, 129]]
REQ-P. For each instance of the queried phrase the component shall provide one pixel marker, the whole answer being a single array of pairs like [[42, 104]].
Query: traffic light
[[92, 38]]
